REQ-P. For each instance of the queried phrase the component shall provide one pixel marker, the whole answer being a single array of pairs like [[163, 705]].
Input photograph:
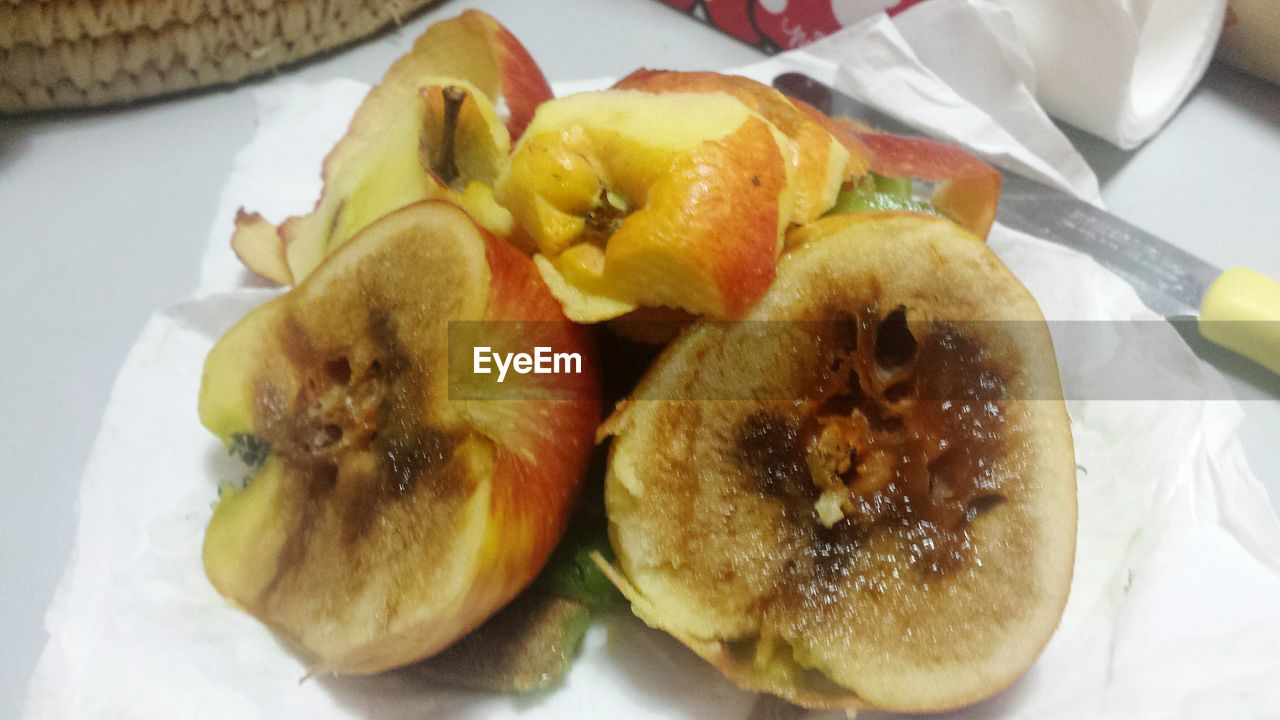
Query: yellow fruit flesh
[[245, 535], [369, 174]]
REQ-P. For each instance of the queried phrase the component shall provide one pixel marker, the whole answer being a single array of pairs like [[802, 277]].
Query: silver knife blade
[[1169, 280]]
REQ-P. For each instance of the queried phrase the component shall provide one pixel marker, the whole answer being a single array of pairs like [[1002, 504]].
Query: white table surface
[[103, 217]]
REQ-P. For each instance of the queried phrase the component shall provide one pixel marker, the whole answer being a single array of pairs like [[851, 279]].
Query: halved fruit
[[862, 495], [393, 514], [430, 129], [633, 199]]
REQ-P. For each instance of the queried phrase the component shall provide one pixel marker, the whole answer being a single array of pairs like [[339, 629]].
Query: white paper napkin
[[1172, 609], [1116, 68]]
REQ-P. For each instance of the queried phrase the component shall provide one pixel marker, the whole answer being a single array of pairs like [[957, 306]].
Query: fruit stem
[[604, 220], [454, 96]]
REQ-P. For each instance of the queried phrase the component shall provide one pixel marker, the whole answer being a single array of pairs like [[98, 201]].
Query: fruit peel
[[968, 189], [820, 163], [376, 167], [257, 244]]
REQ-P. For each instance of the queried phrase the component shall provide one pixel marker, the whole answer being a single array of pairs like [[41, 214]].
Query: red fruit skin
[[523, 84], [541, 445], [546, 466]]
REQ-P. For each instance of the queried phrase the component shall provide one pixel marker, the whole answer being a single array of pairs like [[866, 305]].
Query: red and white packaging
[[774, 25]]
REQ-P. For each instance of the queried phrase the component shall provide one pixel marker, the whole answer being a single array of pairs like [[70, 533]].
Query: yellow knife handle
[[1241, 312]]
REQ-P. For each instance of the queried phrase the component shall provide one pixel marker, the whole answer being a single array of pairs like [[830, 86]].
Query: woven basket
[[90, 53]]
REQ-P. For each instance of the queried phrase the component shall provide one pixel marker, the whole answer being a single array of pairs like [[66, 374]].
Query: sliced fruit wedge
[[391, 516], [431, 129], [862, 495]]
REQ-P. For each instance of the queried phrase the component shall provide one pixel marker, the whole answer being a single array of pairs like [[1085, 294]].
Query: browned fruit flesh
[[389, 517], [859, 497]]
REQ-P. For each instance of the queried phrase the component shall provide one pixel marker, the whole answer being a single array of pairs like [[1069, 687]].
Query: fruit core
[[602, 221], [352, 421], [447, 168], [902, 436]]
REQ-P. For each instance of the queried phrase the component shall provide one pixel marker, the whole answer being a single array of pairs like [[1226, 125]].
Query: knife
[[1238, 308]]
